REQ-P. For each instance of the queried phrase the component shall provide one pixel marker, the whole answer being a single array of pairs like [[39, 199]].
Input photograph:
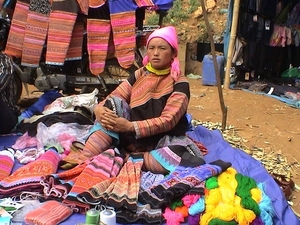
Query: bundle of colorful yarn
[[230, 199]]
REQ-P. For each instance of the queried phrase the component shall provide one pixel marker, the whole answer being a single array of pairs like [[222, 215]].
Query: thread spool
[[108, 217], [92, 217]]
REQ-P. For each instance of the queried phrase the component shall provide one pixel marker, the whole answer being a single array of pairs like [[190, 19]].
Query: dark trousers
[[8, 119]]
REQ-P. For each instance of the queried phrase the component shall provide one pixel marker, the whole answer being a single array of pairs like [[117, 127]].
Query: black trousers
[[8, 118]]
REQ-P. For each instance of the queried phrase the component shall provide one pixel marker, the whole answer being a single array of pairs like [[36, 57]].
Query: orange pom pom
[[183, 210]]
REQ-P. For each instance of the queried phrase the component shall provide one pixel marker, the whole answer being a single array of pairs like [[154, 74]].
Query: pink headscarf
[[168, 34]]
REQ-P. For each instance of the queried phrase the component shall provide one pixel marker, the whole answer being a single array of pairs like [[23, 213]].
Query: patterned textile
[[180, 182], [172, 156], [98, 34], [65, 186], [50, 213], [112, 192], [59, 36], [58, 185], [35, 32], [14, 45], [28, 177], [143, 215], [100, 168], [122, 14], [158, 4], [61, 23], [6, 163], [75, 48], [196, 149]]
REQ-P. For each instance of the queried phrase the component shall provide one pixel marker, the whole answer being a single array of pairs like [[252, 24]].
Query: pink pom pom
[[189, 200], [173, 218]]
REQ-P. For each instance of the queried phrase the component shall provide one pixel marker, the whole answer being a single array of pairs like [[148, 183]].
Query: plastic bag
[[58, 134]]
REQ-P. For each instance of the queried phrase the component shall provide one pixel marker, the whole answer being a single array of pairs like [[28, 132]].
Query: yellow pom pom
[[256, 194]]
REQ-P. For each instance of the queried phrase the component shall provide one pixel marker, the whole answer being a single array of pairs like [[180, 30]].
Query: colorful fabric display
[[65, 186], [14, 45], [35, 32], [144, 215], [122, 14], [61, 23], [6, 162], [50, 213], [101, 167], [98, 36], [180, 182], [57, 186], [172, 156], [149, 179], [75, 47], [112, 192], [28, 177]]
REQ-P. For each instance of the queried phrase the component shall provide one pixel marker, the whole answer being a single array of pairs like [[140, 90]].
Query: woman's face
[[160, 53]]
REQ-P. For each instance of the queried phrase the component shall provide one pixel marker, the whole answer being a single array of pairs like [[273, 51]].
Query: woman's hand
[[117, 124], [99, 112], [110, 121]]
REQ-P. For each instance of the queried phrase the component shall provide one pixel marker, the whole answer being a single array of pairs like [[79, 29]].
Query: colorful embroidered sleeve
[[174, 110]]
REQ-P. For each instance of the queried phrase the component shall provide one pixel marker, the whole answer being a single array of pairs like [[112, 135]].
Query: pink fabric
[[169, 34]]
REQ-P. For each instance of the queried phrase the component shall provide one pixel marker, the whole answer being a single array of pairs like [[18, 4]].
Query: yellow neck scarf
[[157, 72]]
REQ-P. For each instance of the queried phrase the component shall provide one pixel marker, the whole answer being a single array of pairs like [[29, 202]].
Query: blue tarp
[[219, 149]]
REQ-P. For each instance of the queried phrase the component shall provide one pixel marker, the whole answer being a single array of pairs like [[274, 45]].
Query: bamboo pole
[[217, 72], [233, 29]]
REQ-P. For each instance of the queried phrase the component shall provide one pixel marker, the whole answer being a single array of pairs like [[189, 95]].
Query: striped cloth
[[28, 177], [6, 163], [59, 36], [61, 24], [35, 32], [65, 186], [57, 186], [50, 213], [122, 14], [75, 48], [120, 192], [14, 45], [98, 34], [102, 167]]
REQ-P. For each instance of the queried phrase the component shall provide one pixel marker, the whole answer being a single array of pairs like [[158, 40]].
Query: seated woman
[[146, 114]]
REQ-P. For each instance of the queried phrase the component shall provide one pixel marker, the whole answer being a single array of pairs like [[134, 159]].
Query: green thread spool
[[92, 217]]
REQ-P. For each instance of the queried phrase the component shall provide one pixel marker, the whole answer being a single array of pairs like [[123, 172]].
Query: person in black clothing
[[9, 111]]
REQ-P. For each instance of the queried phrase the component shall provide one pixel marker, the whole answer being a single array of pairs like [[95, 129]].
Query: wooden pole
[[217, 72], [235, 16]]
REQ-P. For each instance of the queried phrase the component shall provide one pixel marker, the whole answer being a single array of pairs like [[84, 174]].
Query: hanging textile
[[61, 23], [15, 38], [35, 32]]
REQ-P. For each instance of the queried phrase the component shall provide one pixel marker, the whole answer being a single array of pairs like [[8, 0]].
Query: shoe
[[287, 191], [282, 181]]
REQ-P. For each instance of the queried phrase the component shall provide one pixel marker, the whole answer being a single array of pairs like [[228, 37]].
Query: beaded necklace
[[158, 72]]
